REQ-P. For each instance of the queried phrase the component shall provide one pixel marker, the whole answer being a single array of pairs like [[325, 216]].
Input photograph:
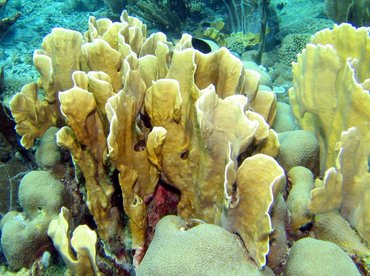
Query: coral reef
[[311, 106], [183, 154], [261, 177], [156, 128], [336, 62], [331, 226], [279, 243], [300, 16]]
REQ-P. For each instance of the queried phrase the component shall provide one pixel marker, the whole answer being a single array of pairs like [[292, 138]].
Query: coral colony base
[[182, 165]]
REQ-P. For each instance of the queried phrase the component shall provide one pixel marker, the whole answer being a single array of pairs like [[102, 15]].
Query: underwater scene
[[185, 137]]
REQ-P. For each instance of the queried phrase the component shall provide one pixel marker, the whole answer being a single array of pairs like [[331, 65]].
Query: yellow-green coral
[[342, 55], [153, 110], [330, 98], [61, 55], [259, 180], [83, 242]]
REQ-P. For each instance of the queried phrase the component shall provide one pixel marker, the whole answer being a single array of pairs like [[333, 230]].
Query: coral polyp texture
[[140, 114]]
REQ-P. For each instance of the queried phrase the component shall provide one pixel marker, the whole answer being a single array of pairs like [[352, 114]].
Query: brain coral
[[298, 148], [48, 154], [314, 257], [21, 239], [24, 234], [205, 249], [39, 192]]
